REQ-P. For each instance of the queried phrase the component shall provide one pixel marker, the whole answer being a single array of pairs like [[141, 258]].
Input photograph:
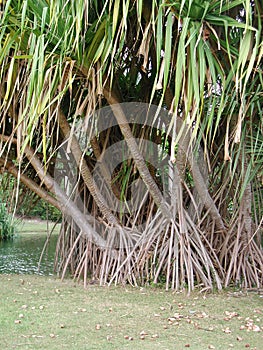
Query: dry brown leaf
[[155, 336], [231, 314], [227, 330], [256, 328], [171, 319], [82, 310], [37, 336], [127, 337], [143, 333]]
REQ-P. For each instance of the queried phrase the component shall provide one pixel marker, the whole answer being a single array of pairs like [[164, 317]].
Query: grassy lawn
[[35, 226], [44, 313]]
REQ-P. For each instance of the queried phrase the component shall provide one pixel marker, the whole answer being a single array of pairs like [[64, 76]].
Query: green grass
[[35, 226], [45, 313]]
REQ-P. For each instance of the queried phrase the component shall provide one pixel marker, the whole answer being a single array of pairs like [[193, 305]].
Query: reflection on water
[[21, 255]]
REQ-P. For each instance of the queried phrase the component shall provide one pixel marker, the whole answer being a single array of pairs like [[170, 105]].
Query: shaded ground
[[44, 313]]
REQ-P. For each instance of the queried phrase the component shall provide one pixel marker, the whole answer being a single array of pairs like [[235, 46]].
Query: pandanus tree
[[177, 86]]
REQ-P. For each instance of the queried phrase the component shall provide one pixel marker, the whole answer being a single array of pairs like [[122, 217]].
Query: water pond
[[21, 254]]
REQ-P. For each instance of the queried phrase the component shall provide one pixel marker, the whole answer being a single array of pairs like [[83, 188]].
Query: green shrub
[[39, 209], [7, 227]]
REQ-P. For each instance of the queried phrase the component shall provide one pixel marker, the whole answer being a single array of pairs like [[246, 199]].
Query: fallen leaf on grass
[[37, 336], [128, 337], [227, 330], [250, 326], [230, 315], [143, 333], [82, 309], [256, 328], [154, 336], [257, 311], [172, 320], [202, 315]]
